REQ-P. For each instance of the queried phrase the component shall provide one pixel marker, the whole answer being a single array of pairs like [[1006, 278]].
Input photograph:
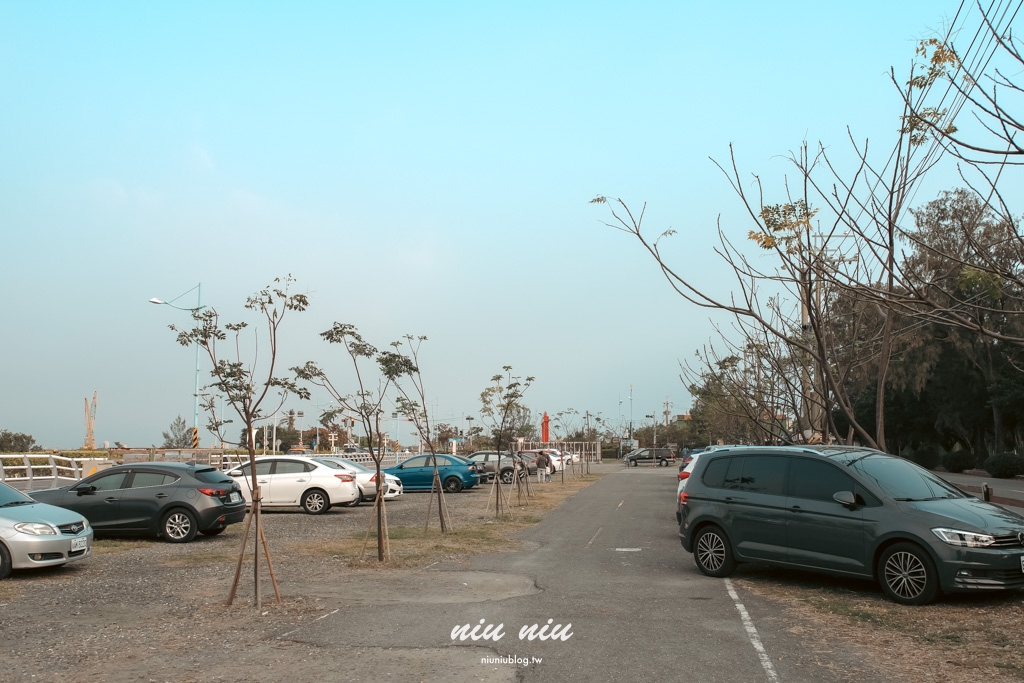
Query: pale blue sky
[[419, 167]]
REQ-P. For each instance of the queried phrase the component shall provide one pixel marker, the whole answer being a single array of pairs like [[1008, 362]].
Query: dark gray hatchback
[[850, 511]]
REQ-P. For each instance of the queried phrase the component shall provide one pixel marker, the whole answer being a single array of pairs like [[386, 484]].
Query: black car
[[172, 500], [662, 456], [850, 511]]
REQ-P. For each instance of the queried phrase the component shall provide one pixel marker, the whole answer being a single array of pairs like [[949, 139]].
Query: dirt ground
[[144, 610]]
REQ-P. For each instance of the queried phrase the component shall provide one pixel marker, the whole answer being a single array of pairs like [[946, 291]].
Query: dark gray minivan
[[847, 510]]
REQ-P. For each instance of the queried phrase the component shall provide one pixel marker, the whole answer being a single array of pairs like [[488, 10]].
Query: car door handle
[[161, 495], [796, 508], [110, 500], [261, 481]]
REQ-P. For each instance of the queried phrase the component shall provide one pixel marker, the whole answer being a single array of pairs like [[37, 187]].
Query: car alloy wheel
[[315, 502], [452, 484], [179, 526], [908, 575], [712, 553]]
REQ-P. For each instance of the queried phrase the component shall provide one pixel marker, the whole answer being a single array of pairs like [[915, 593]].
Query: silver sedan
[[39, 535], [366, 478]]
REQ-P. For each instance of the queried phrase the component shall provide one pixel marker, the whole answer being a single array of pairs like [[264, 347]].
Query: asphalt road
[[609, 563], [1004, 489]]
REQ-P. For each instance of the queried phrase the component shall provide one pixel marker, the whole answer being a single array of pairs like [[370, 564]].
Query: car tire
[[452, 485], [352, 503], [663, 463], [712, 552], [315, 502], [5, 562], [908, 575], [507, 476], [178, 526], [214, 532]]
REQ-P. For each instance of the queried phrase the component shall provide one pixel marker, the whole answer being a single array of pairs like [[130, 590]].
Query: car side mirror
[[82, 490], [846, 499], [234, 473]]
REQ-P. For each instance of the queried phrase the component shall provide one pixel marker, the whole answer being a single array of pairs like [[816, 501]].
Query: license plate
[[235, 497], [78, 544], [1022, 563]]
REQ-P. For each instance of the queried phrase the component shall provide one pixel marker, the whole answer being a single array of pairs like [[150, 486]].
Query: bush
[[1005, 465], [926, 457], [958, 461]]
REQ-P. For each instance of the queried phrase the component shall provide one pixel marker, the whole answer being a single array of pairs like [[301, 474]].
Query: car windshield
[[903, 480], [11, 496]]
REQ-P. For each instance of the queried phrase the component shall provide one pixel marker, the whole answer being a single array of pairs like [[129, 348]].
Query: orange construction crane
[[90, 423]]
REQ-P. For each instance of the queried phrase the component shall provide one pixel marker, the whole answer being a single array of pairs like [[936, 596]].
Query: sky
[[418, 168]]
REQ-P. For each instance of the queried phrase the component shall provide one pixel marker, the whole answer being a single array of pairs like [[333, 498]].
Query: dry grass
[[960, 639], [480, 532]]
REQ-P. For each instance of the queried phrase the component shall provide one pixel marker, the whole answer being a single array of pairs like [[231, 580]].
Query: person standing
[[543, 462]]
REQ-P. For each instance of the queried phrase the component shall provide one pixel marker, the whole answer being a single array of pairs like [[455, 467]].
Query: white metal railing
[[33, 471]]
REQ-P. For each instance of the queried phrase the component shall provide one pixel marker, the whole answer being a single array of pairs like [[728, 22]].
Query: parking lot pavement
[[607, 567]]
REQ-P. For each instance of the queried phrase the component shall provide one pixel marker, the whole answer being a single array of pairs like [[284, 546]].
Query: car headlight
[[35, 529], [965, 539]]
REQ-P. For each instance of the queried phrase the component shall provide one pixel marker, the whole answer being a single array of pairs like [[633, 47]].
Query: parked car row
[[850, 511], [177, 501]]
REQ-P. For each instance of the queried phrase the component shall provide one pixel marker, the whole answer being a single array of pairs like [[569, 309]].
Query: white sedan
[[366, 478], [289, 480]]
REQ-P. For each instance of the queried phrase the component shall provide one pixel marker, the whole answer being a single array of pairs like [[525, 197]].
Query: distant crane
[[90, 423]]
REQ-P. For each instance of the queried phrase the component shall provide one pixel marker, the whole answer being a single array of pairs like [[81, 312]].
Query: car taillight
[[216, 493], [345, 477], [684, 475], [373, 479], [683, 498]]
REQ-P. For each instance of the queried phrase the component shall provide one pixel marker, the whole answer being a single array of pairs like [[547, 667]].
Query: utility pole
[[631, 414], [654, 425]]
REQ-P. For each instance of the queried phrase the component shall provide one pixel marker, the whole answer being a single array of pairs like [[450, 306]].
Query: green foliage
[[16, 442], [958, 461], [1005, 465], [927, 457], [180, 435], [783, 225]]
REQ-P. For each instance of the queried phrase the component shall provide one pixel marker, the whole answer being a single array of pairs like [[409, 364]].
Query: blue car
[[417, 473]]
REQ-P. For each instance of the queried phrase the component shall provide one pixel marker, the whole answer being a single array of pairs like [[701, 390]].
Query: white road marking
[[594, 538], [322, 616], [755, 640], [619, 505], [627, 550]]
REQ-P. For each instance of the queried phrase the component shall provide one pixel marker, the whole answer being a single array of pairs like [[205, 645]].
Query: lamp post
[[199, 290], [469, 419]]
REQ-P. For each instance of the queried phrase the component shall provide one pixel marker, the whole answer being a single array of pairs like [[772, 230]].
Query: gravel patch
[[145, 610]]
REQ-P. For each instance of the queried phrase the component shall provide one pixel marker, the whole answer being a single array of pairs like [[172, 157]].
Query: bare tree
[[366, 401], [412, 403], [246, 384]]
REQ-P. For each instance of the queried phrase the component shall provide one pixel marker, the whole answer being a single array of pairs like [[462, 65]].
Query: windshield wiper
[[866, 455], [915, 500]]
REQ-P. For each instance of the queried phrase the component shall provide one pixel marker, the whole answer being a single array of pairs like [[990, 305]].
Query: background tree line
[[878, 320]]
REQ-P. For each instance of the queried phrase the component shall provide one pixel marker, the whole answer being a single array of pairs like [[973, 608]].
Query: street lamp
[[198, 290], [654, 422]]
